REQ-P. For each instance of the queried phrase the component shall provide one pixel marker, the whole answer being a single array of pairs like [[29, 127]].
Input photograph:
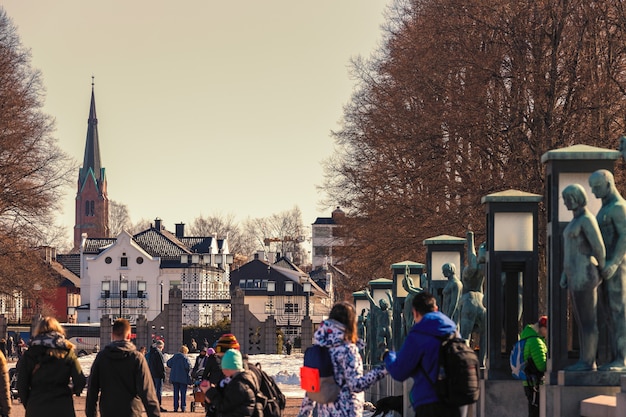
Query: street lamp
[[306, 287], [161, 284], [123, 288]]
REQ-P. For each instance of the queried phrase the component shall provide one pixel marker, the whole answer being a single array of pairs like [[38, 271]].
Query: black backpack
[[458, 381], [272, 397]]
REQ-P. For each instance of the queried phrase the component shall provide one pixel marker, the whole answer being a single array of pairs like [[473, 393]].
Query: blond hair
[[184, 350], [47, 325]]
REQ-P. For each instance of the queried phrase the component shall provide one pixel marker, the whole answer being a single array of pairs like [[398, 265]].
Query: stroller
[[13, 383], [197, 393]]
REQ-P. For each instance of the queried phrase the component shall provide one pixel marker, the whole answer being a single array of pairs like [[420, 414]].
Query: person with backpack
[[418, 358], [339, 334], [235, 395], [212, 370], [535, 356]]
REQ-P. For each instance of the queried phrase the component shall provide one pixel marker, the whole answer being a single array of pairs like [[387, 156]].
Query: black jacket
[[237, 398], [44, 374], [122, 377], [155, 359]]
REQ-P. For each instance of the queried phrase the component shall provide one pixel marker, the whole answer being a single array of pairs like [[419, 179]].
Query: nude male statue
[[407, 311], [583, 254], [383, 316], [612, 222], [451, 293]]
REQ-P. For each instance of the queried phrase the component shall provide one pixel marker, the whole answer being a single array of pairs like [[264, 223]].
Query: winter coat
[[419, 357], [348, 370], [198, 367], [155, 362], [180, 368], [212, 370], [235, 397], [122, 377], [534, 348], [44, 376]]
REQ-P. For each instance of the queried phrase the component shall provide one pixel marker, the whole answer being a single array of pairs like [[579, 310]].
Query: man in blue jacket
[[419, 357]]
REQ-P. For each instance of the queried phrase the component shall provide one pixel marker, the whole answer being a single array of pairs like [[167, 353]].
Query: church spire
[[92, 201], [92, 146]]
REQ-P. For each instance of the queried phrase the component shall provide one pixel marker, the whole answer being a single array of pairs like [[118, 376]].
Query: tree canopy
[[460, 102], [33, 169]]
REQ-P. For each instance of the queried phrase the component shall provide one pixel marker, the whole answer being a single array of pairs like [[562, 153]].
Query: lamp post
[[161, 305], [306, 287], [123, 286]]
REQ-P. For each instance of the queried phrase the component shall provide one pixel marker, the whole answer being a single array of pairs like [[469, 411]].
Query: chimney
[[180, 230], [157, 224]]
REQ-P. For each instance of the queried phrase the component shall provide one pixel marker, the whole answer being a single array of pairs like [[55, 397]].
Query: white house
[[129, 276]]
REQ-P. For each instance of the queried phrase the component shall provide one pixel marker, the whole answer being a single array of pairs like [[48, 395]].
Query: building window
[[106, 289], [108, 260], [141, 289], [289, 286], [139, 260], [242, 283], [91, 206], [291, 307], [124, 262], [86, 208]]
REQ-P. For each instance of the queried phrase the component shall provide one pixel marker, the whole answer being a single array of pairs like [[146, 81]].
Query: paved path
[[293, 405]]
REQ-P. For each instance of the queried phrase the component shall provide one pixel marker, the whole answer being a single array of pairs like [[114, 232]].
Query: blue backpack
[[317, 376], [516, 360]]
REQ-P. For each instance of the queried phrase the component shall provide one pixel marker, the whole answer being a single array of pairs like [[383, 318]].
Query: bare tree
[[33, 169], [283, 232], [446, 113], [119, 218], [222, 226]]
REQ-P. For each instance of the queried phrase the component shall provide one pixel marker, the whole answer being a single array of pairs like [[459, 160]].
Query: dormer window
[[289, 286]]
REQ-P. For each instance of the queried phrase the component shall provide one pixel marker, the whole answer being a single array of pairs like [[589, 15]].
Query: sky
[[204, 107]]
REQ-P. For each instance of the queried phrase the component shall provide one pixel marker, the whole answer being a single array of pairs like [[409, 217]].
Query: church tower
[[92, 202]]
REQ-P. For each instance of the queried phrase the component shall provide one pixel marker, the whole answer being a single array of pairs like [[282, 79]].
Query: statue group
[[462, 301], [594, 269]]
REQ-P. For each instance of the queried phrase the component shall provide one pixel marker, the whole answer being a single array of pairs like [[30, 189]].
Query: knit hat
[[232, 360], [543, 321], [226, 341]]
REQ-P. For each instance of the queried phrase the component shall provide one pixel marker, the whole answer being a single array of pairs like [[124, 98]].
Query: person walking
[[235, 395], [418, 358], [212, 370], [339, 334], [157, 369], [45, 371], [179, 377], [121, 378], [535, 355], [200, 364]]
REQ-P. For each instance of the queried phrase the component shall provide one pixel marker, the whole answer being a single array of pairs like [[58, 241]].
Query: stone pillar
[[174, 326], [105, 330], [270, 339], [238, 319], [3, 326], [307, 333], [142, 332]]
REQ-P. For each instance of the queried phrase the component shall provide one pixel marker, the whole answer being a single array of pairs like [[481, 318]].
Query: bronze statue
[[612, 222], [383, 316], [407, 311], [583, 254], [451, 292], [472, 311]]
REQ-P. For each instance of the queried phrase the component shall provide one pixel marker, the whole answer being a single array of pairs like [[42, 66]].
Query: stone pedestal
[[565, 398]]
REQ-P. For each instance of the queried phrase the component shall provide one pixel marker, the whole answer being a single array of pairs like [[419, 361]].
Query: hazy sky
[[204, 107]]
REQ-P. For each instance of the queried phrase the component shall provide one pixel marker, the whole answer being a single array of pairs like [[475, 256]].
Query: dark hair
[[345, 313], [424, 303], [121, 327]]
